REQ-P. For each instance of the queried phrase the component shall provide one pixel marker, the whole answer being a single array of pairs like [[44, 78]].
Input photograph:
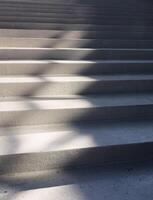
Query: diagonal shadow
[[74, 176]]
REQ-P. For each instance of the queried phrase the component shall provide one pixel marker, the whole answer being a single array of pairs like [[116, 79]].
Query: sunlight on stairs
[[76, 99]]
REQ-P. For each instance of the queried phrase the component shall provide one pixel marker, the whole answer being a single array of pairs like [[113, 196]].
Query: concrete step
[[142, 3], [72, 27], [99, 5], [92, 10], [76, 2], [77, 9], [82, 7], [74, 43], [64, 146], [98, 21], [70, 110], [75, 54], [96, 5], [79, 15], [77, 12], [62, 67], [52, 5], [44, 86], [126, 181], [117, 33]]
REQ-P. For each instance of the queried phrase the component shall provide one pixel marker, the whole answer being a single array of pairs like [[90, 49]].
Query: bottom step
[[110, 183], [66, 147]]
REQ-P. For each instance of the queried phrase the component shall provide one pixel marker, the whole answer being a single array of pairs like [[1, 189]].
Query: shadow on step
[[65, 176], [117, 180], [80, 9]]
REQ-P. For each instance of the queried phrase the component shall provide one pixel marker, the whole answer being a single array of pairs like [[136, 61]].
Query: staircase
[[76, 88]]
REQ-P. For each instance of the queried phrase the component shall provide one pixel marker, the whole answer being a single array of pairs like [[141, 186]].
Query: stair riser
[[102, 21], [119, 9], [79, 15], [89, 13], [48, 89], [71, 27], [54, 5], [74, 54], [65, 5], [74, 2], [71, 116], [88, 157], [72, 43]]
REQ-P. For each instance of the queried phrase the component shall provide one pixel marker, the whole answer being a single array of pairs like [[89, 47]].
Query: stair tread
[[41, 79], [88, 102], [62, 137], [83, 26], [75, 54], [128, 181], [26, 42], [46, 33]]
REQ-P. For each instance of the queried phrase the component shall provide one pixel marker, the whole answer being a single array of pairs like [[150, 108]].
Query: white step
[[74, 67], [49, 86], [72, 110], [73, 43], [76, 34]]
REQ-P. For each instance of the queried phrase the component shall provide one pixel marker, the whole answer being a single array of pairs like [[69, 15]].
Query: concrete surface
[[49, 86], [88, 65], [111, 183], [67, 67]]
